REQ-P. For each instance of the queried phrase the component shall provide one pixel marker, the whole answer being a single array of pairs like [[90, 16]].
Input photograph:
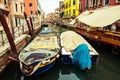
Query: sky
[[49, 5]]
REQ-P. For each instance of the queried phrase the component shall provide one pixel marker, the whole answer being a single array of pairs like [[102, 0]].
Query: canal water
[[107, 68]]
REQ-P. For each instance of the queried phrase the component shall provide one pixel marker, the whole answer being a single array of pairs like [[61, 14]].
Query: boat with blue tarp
[[76, 50]]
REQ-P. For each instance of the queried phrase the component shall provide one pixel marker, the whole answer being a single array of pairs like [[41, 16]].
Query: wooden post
[[30, 31], [8, 33], [32, 27]]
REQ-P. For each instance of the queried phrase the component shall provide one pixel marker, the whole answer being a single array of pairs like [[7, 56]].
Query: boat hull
[[28, 70], [66, 59], [75, 40], [44, 69]]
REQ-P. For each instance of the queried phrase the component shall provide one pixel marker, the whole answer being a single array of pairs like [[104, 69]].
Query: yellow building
[[71, 8]]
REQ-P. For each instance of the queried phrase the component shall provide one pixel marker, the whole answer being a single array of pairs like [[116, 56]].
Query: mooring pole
[[30, 31], [8, 33], [32, 27]]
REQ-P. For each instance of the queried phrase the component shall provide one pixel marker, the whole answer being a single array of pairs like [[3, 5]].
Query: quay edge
[[20, 43], [6, 52]]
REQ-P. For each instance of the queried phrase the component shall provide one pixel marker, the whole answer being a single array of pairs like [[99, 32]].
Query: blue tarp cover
[[81, 57], [46, 31]]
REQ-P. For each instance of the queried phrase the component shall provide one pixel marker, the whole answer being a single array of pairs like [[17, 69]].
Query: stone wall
[[4, 58]]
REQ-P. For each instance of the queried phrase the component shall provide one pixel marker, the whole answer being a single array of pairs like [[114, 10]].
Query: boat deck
[[44, 41]]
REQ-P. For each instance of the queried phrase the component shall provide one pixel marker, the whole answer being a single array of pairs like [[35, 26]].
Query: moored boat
[[75, 45], [40, 54]]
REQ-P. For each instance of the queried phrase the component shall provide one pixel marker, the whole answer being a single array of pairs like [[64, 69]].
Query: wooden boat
[[40, 55], [70, 40]]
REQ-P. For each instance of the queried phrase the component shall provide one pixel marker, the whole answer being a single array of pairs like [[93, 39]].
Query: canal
[[107, 68]]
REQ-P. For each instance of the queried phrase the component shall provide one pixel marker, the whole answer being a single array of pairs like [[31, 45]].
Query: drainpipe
[[30, 31], [32, 27], [8, 33]]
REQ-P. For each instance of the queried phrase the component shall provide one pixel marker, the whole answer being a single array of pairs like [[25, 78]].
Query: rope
[[35, 68]]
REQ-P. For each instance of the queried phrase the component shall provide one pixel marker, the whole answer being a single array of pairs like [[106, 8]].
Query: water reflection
[[60, 72], [108, 66], [11, 72]]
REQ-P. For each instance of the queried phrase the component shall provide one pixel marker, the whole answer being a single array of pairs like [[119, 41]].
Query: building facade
[[31, 9], [16, 12], [71, 10], [4, 7]]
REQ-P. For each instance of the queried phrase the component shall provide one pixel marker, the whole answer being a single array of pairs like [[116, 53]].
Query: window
[[21, 9], [74, 2], [69, 3], [118, 1], [16, 21], [106, 2], [5, 2], [69, 12], [30, 4], [73, 11], [81, 6], [35, 12], [24, 4], [31, 12], [16, 7], [87, 4]]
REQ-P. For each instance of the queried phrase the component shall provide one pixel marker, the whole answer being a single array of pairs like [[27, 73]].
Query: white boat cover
[[100, 17], [72, 40]]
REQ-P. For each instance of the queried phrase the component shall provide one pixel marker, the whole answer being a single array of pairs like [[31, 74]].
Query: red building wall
[[29, 8], [112, 2], [83, 4]]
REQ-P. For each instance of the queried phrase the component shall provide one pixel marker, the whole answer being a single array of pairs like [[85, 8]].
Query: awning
[[72, 22], [79, 17], [100, 17]]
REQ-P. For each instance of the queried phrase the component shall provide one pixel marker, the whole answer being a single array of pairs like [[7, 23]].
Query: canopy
[[72, 22], [101, 17], [78, 17]]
